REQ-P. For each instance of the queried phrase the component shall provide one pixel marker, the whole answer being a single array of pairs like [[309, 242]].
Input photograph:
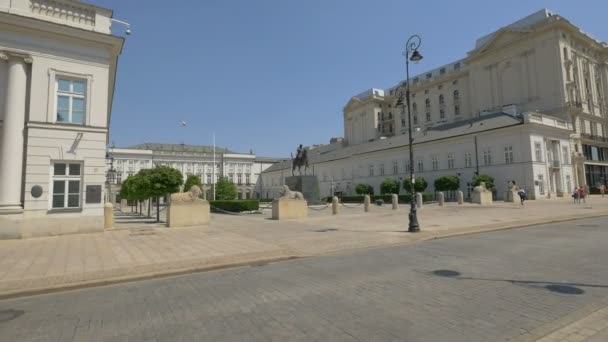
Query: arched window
[[427, 103], [414, 108], [456, 96], [441, 99]]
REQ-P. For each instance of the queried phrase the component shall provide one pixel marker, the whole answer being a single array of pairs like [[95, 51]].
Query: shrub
[[364, 189], [419, 186], [447, 183], [389, 186], [486, 179], [192, 180], [225, 189], [235, 205]]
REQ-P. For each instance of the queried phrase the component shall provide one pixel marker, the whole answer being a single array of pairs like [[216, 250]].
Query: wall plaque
[[93, 194], [36, 191]]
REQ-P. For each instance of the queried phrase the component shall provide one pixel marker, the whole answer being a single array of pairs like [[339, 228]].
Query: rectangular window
[[508, 154], [442, 113], [395, 168], [66, 185], [541, 184], [381, 169], [565, 155], [406, 165], [208, 178], [568, 183], [247, 179], [71, 105], [538, 152], [371, 170], [487, 156], [435, 163], [456, 110], [420, 165], [450, 161], [239, 178]]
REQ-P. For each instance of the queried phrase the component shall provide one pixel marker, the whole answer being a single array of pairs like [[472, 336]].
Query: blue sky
[[268, 75]]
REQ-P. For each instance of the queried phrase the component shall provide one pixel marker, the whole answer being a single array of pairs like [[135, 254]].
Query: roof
[[158, 147]]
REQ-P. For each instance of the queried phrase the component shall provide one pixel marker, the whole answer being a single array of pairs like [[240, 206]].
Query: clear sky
[[268, 75]]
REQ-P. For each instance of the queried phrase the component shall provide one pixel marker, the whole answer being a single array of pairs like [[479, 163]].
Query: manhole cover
[[446, 273], [565, 289], [326, 230], [10, 314]]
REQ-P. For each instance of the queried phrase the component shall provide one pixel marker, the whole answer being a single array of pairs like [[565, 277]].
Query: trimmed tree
[[477, 180], [163, 180], [447, 183], [364, 189], [389, 186], [127, 189], [225, 189], [419, 186], [192, 180]]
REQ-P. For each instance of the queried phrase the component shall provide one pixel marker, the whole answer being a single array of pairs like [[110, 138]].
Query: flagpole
[[214, 166]]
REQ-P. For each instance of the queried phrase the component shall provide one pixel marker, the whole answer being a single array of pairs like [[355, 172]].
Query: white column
[[11, 146]]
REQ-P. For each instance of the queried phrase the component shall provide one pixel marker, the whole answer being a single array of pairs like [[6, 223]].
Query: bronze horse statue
[[300, 160]]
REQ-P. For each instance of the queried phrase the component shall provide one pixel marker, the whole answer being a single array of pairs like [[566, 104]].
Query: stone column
[[13, 129], [366, 203], [335, 205], [395, 201]]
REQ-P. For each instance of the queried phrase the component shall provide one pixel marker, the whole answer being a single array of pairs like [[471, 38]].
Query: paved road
[[485, 287]]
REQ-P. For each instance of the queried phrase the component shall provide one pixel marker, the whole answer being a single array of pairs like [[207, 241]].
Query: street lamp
[[411, 53], [110, 174]]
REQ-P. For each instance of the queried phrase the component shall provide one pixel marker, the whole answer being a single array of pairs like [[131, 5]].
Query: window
[[541, 184], [450, 160], [371, 170], [442, 113], [487, 156], [403, 122], [565, 156], [239, 178], [568, 183], [208, 178], [538, 152], [468, 160], [566, 53], [247, 179], [429, 75], [416, 80], [456, 96], [381, 169], [420, 165], [509, 154], [119, 178], [454, 82], [71, 96], [66, 186], [435, 163], [456, 66], [427, 103], [441, 100], [456, 110], [441, 71], [406, 164], [395, 167], [415, 119]]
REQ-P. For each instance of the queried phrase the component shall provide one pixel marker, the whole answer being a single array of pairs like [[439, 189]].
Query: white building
[[242, 169], [57, 71], [528, 103]]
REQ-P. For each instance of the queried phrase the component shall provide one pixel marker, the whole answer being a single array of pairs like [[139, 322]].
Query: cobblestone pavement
[[511, 285]]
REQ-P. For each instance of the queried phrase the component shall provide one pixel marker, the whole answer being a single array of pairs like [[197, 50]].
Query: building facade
[[58, 64], [545, 73], [240, 168]]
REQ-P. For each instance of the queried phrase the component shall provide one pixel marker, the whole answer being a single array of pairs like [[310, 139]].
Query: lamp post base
[[413, 227]]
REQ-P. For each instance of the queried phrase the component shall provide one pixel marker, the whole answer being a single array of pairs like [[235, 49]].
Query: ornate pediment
[[501, 38]]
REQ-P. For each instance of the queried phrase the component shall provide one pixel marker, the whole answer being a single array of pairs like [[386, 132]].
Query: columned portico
[[11, 145]]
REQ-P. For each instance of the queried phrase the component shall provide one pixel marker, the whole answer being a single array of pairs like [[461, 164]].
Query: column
[[11, 146]]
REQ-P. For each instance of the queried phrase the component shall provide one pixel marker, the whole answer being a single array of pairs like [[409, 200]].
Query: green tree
[[225, 189], [486, 179], [389, 186], [127, 189], [192, 180], [447, 183], [419, 186], [162, 181], [364, 189]]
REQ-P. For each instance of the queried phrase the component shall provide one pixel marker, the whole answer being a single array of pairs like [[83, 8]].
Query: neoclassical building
[[243, 169], [58, 63], [527, 103]]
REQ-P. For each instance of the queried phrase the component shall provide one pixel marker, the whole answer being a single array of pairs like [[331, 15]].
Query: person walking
[[575, 196], [522, 195], [581, 195], [602, 189]]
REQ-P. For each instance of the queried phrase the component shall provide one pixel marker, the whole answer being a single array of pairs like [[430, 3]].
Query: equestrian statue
[[300, 160]]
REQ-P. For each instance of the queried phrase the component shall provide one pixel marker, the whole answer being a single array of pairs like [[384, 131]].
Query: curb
[[140, 277]]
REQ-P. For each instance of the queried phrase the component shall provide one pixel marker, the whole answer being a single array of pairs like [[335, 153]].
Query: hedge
[[235, 205], [385, 198]]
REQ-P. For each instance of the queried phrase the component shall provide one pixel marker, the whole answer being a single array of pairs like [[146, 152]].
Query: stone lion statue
[[481, 187], [288, 194], [187, 197]]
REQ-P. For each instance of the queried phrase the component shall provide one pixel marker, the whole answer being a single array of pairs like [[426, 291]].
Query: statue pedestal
[[511, 195], [482, 197], [307, 185], [285, 208], [188, 214]]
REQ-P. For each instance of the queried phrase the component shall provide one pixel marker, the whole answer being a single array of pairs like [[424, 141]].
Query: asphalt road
[[484, 287]]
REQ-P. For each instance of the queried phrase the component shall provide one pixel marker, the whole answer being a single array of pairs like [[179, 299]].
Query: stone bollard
[[440, 198], [395, 200], [419, 200], [366, 202], [460, 197], [334, 205], [108, 215]]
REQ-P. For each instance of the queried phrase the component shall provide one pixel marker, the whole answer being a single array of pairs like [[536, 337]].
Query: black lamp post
[[110, 174], [411, 54]]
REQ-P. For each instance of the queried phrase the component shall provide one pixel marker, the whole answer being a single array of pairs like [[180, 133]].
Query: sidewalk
[[48, 263]]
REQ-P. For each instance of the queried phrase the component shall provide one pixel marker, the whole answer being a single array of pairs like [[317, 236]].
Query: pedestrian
[[522, 195], [602, 189], [575, 195], [581, 194]]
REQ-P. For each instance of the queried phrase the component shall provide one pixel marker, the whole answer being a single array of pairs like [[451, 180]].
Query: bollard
[[419, 200], [395, 199], [366, 201], [108, 215], [334, 205], [460, 197], [440, 198]]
